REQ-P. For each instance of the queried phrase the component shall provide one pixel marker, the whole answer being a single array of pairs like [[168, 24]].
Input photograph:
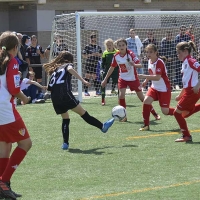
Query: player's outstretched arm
[[37, 84], [74, 73], [23, 97], [150, 77], [139, 65], [110, 71]]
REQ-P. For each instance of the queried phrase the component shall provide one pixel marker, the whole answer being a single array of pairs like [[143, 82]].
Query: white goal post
[[74, 31]]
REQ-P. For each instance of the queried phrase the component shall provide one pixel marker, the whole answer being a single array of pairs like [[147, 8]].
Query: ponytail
[[4, 59], [186, 46], [8, 41], [163, 58]]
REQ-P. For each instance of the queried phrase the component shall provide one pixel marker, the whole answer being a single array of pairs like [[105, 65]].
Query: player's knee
[[25, 144], [165, 111]]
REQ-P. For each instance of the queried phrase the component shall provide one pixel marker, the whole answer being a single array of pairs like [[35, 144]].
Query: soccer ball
[[119, 113]]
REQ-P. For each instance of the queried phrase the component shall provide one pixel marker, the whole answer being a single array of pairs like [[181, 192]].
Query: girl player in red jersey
[[127, 62], [160, 87], [188, 96], [12, 127]]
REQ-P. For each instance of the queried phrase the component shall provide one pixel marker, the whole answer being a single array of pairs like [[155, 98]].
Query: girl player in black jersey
[[60, 70]]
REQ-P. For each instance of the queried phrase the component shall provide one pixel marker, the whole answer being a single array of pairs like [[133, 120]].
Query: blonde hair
[[186, 46], [109, 40], [31, 73]]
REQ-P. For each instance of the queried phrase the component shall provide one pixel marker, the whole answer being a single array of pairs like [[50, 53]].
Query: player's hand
[[44, 87], [86, 83], [144, 84], [103, 83], [177, 98], [195, 89], [26, 100]]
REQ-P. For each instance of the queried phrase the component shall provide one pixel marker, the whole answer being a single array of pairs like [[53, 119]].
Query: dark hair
[[183, 26], [24, 38], [186, 46], [123, 40], [93, 35], [155, 49], [63, 57], [8, 41], [150, 31], [168, 32]]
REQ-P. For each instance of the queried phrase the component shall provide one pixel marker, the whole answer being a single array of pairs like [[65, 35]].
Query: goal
[[74, 30]]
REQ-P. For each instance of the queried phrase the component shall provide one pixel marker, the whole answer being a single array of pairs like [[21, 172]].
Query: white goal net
[[73, 31]]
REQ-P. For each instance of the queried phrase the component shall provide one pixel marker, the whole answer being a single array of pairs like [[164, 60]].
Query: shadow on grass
[[130, 106], [89, 151], [130, 145], [192, 142], [96, 150], [152, 122]]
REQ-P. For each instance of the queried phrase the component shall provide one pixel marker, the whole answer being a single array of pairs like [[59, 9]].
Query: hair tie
[[3, 48]]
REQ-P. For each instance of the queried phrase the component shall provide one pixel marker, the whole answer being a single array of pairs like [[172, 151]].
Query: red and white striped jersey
[[190, 69], [159, 68], [9, 86], [127, 72]]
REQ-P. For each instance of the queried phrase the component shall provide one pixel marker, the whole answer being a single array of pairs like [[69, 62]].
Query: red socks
[[146, 113], [171, 111], [153, 112], [122, 102], [3, 165], [14, 161], [182, 124]]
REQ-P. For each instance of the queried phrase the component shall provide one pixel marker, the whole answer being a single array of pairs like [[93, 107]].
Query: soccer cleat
[[144, 128], [103, 102], [6, 192], [87, 94], [124, 119], [107, 125], [17, 195], [65, 146], [157, 117], [184, 139]]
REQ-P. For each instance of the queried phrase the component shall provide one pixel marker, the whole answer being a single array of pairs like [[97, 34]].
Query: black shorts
[[38, 72], [91, 69], [64, 104]]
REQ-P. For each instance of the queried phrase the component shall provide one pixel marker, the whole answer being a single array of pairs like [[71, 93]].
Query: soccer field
[[123, 164]]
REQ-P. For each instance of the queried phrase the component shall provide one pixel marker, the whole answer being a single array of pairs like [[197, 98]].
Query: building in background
[[36, 16]]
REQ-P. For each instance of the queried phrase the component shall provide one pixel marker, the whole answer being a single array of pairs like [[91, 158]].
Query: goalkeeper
[[105, 65]]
